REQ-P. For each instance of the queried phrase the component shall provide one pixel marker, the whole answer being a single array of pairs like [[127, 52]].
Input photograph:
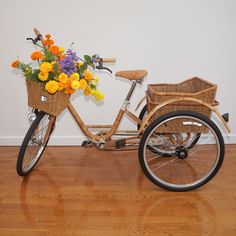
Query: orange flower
[[63, 78], [88, 75], [48, 36], [36, 55], [87, 91], [83, 83], [68, 89], [61, 86], [54, 50], [15, 64], [62, 56], [48, 42]]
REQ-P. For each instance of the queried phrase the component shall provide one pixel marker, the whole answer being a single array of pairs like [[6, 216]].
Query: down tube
[[79, 121]]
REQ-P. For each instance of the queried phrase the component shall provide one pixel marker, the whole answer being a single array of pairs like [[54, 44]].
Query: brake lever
[[105, 68], [100, 67], [39, 36]]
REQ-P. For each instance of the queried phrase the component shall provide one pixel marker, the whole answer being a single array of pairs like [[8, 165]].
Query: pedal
[[87, 143]]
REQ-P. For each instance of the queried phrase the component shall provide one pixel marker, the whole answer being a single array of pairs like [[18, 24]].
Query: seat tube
[[131, 91], [127, 99], [121, 111]]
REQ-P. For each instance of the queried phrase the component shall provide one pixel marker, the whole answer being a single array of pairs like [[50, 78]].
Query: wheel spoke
[[33, 146], [167, 163], [181, 150]]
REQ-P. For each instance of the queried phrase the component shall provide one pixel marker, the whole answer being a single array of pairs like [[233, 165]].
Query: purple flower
[[68, 65], [72, 55]]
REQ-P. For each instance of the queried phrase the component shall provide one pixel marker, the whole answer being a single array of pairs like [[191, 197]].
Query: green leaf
[[51, 76], [55, 68], [88, 60], [83, 67]]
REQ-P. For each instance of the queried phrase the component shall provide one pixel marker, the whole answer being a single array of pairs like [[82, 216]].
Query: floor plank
[[76, 191]]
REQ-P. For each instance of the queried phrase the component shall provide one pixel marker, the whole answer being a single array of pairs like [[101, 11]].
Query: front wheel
[[34, 143], [186, 168]]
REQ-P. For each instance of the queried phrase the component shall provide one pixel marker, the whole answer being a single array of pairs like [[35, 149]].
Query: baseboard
[[74, 140], [54, 140]]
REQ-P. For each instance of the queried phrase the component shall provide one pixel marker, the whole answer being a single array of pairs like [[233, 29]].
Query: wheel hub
[[181, 152]]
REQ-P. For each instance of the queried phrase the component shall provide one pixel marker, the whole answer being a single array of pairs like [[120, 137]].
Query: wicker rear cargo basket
[[192, 88], [38, 98]]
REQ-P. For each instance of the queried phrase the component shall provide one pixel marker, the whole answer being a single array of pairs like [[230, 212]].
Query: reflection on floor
[[76, 191]]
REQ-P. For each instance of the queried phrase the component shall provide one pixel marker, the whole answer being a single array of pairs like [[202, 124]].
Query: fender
[[187, 99], [140, 102]]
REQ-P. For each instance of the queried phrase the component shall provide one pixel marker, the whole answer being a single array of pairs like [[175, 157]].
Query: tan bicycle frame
[[112, 129]]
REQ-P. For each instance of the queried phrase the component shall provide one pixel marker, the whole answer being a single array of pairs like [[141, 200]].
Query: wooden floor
[[75, 191]]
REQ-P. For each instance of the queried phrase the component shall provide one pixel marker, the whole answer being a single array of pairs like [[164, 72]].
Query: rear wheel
[[189, 138], [185, 168], [35, 142]]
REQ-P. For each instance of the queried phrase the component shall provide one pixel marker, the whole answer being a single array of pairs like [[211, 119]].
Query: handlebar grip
[[36, 31], [38, 34], [109, 60]]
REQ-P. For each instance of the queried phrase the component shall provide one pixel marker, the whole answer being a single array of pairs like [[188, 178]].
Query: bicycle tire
[[31, 141], [164, 172], [142, 114]]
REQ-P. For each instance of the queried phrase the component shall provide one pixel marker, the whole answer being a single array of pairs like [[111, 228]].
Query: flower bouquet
[[54, 74]]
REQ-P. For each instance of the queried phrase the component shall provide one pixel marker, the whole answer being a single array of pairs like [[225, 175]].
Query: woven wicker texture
[[38, 98], [193, 88]]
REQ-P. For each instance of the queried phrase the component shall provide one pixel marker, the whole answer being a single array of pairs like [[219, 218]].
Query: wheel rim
[[199, 161], [36, 144]]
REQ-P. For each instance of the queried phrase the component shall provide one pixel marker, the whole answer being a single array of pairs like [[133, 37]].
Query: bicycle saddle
[[132, 74]]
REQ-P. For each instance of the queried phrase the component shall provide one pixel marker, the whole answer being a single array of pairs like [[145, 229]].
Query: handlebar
[[100, 62], [107, 60], [39, 37], [96, 58], [36, 32]]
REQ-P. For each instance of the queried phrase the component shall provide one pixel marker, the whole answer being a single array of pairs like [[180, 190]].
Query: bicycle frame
[[105, 136]]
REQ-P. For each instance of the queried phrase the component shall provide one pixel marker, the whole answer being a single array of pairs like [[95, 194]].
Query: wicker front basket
[[192, 88], [39, 98]]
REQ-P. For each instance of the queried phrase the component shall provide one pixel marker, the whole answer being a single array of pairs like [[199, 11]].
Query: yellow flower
[[61, 50], [63, 78], [74, 76], [83, 84], [99, 95], [95, 81], [75, 84], [43, 76], [93, 91], [46, 67], [51, 86], [79, 64]]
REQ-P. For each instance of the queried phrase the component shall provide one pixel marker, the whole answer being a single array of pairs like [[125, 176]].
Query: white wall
[[173, 40]]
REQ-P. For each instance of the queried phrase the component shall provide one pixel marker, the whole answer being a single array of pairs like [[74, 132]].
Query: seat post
[[131, 91], [126, 101]]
